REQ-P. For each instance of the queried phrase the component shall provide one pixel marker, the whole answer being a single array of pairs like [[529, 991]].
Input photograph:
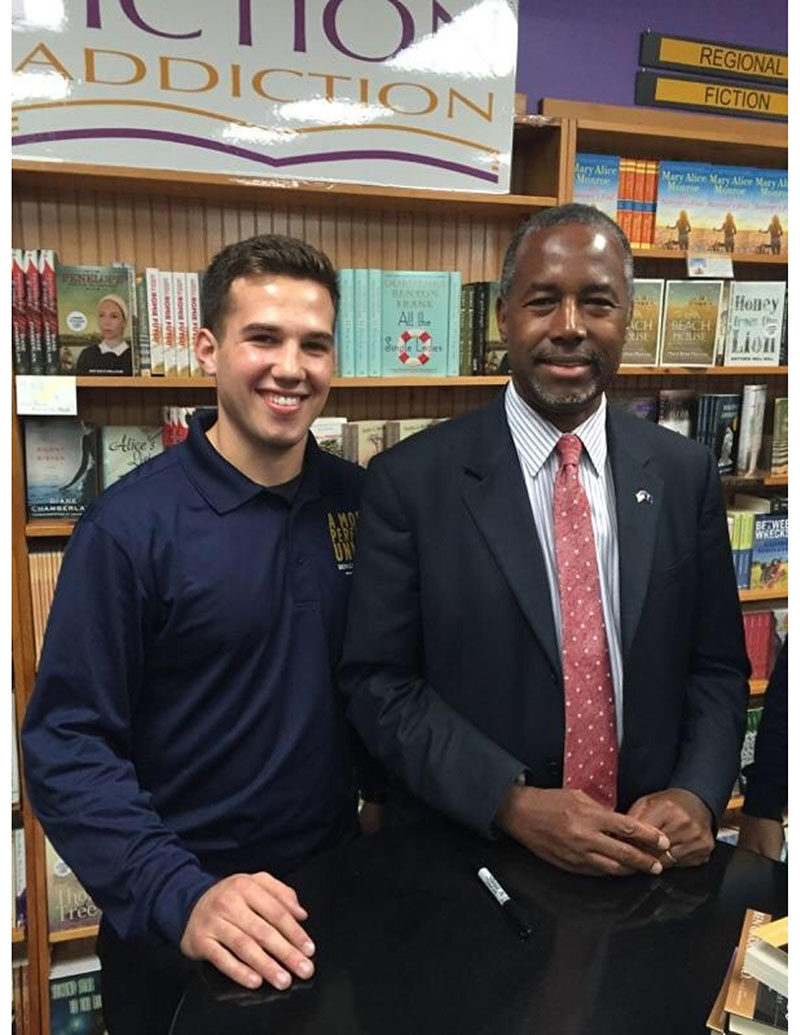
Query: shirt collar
[[222, 485], [116, 349], [535, 437]]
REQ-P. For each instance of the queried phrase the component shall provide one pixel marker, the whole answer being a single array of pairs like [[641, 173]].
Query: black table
[[409, 942]]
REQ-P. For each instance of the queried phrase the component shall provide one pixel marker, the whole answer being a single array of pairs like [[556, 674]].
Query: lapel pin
[[643, 496]]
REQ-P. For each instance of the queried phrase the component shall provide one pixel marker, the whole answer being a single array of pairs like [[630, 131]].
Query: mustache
[[574, 357]]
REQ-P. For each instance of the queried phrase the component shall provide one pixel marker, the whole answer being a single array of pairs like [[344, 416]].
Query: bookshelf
[[96, 215]]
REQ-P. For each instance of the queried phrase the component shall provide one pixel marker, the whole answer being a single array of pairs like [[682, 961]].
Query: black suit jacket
[[451, 666]]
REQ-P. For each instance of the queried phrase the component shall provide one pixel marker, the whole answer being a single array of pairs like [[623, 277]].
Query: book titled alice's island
[[94, 320], [641, 340], [691, 314]]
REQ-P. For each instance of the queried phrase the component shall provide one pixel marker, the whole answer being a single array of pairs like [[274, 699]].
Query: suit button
[[554, 770], [553, 678]]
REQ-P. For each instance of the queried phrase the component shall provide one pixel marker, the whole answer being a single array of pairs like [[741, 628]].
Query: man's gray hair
[[587, 215]]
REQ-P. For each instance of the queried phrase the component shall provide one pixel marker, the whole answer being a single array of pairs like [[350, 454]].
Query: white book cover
[[193, 308], [751, 428], [755, 318], [181, 324], [166, 294], [155, 320]]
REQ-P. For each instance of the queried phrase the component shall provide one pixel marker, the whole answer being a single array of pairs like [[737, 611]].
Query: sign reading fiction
[[705, 57], [418, 94], [704, 95]]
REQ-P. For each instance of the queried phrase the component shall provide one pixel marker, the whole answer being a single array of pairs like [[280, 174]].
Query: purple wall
[[588, 50]]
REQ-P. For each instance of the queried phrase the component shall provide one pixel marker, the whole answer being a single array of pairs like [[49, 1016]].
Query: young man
[[184, 746], [544, 631]]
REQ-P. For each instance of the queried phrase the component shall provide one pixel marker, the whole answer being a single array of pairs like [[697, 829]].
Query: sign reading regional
[[411, 93], [706, 57]]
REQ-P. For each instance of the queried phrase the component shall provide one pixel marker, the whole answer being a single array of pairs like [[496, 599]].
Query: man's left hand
[[684, 818]]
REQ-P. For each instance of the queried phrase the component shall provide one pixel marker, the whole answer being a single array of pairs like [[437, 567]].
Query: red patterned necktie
[[590, 742]]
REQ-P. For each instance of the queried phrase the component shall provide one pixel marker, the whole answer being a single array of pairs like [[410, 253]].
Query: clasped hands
[[569, 829]]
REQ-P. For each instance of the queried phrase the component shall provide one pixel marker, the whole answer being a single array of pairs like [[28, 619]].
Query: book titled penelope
[[94, 310], [60, 466], [415, 319]]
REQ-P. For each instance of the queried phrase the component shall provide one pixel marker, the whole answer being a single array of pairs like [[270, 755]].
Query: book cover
[[361, 313], [414, 323], [766, 228], [396, 430], [48, 298], [454, 324], [480, 309], [780, 438], [181, 324], [345, 325], [76, 1001], [34, 332], [676, 408], [767, 955], [755, 319], [166, 301], [751, 428], [722, 322], [124, 447], [742, 544], [642, 339], [18, 318], [328, 432], [362, 440], [155, 320], [20, 883], [748, 748], [143, 337], [639, 186], [93, 320], [650, 203], [495, 350], [193, 321], [596, 182], [689, 331], [60, 466], [727, 200], [133, 322], [644, 406], [69, 906], [374, 292], [769, 567], [466, 329], [723, 431], [625, 196], [680, 217]]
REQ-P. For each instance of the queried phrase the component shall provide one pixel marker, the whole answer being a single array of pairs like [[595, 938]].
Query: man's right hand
[[570, 830], [247, 926]]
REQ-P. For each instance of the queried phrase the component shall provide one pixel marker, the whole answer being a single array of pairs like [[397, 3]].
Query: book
[[689, 329], [642, 338], [767, 227], [194, 321], [48, 300], [143, 337], [18, 328], [34, 334], [181, 310], [133, 324], [69, 906], [396, 430], [755, 319], [769, 567], [717, 1017], [328, 432], [454, 326], [596, 182], [751, 1007], [781, 615], [14, 753], [60, 466], [727, 200], [748, 749], [624, 216], [19, 904], [414, 323], [644, 406], [676, 409], [495, 350], [680, 220], [94, 310], [466, 330], [779, 462], [124, 447], [742, 544], [374, 312], [362, 440], [767, 955], [76, 1002], [751, 428], [345, 325], [361, 316], [723, 430], [166, 303], [155, 321]]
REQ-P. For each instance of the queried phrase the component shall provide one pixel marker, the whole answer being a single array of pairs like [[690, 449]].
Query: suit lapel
[[496, 497], [639, 492]]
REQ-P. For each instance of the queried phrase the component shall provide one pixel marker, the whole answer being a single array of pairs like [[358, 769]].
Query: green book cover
[[415, 312], [641, 341], [94, 309], [689, 332]]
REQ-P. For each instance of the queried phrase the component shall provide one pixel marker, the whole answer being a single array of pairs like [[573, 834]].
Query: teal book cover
[[681, 219], [345, 326], [596, 182], [415, 313], [374, 289], [361, 303]]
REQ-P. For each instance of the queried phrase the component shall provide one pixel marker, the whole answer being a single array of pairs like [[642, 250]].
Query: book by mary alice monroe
[[60, 466]]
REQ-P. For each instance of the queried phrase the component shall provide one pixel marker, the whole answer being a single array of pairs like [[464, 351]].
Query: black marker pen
[[507, 904]]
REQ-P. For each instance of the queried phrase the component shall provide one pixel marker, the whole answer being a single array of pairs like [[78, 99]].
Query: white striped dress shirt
[[535, 440]]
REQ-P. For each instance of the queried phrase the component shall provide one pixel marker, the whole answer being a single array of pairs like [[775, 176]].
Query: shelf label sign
[[46, 396], [709, 264], [707, 57], [711, 96], [418, 93]]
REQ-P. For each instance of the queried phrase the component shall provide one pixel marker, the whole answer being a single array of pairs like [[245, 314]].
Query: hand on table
[[569, 829], [761, 835], [247, 926], [684, 818]]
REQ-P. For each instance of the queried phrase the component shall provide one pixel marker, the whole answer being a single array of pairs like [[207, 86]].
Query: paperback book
[[596, 182], [642, 339], [328, 432], [676, 409], [415, 309], [124, 447], [94, 333], [689, 332], [60, 466], [362, 440], [76, 1003], [769, 568], [755, 320], [681, 220], [69, 906], [780, 438], [751, 429]]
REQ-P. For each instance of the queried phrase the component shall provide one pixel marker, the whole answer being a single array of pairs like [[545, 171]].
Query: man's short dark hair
[[561, 215], [260, 256]]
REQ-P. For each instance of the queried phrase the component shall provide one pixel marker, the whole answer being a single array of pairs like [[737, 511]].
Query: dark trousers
[[141, 984]]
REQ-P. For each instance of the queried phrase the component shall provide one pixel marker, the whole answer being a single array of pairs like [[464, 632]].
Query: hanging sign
[[410, 93], [707, 57], [719, 98]]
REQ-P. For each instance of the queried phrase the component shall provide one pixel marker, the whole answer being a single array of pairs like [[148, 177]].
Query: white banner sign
[[411, 93]]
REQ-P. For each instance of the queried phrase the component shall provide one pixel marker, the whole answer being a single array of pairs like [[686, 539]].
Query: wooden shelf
[[17, 935], [776, 479], [744, 480], [75, 935], [42, 528], [744, 372], [162, 182], [749, 595], [674, 254]]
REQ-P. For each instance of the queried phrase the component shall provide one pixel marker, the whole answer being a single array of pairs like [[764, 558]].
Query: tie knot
[[569, 450]]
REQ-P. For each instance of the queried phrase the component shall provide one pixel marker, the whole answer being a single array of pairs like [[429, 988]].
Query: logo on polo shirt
[[342, 527]]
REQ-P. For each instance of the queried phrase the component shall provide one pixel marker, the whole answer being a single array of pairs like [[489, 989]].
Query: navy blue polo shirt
[[185, 723]]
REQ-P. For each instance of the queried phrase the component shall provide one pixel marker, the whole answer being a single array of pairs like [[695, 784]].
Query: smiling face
[[565, 320], [273, 365], [110, 320]]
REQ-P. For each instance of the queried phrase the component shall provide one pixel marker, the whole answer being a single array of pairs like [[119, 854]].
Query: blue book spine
[[374, 283], [454, 325], [345, 326], [361, 303]]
